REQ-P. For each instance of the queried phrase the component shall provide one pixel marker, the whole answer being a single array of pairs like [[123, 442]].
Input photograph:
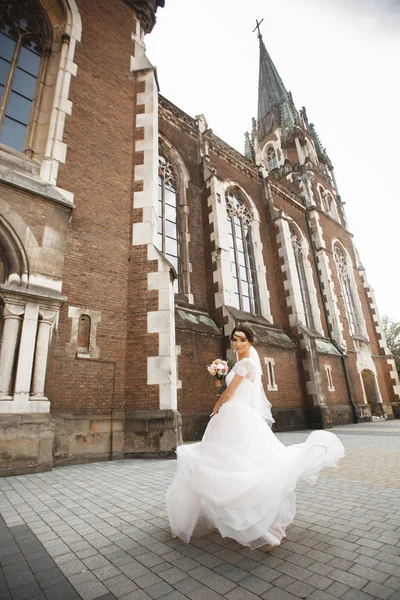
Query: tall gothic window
[[324, 197], [22, 42], [272, 160], [301, 273], [167, 214], [245, 283], [347, 289]]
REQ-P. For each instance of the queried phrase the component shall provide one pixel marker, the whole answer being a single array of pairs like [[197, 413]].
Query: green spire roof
[[288, 116], [275, 106], [248, 147], [321, 151]]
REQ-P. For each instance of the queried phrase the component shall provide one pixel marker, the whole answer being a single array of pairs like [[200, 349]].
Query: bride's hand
[[216, 408]]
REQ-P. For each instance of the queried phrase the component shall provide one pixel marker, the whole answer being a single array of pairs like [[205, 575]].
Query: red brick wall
[[340, 395], [37, 213], [98, 171], [198, 350], [287, 370]]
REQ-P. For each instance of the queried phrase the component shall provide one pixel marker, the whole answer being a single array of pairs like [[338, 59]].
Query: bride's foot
[[269, 548]]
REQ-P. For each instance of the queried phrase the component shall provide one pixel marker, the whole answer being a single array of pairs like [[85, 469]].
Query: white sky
[[340, 59]]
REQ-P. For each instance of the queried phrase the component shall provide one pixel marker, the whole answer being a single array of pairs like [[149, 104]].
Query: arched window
[[22, 44], [83, 340], [168, 214], [333, 211], [3, 272], [301, 273], [271, 158], [324, 198], [245, 282], [347, 289]]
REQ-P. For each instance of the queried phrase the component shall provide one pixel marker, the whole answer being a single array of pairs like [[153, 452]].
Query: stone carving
[[296, 243], [341, 262], [235, 208], [165, 170], [146, 11]]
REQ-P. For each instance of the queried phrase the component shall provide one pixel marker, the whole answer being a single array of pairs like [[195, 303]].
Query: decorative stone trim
[[28, 262], [72, 349], [394, 376], [173, 114], [231, 155], [365, 362], [271, 385], [328, 369], [219, 237], [221, 256], [258, 249], [56, 149], [350, 272], [29, 319], [182, 176], [45, 323], [312, 371], [330, 297], [34, 185], [380, 332], [13, 315], [294, 299], [161, 369], [146, 12]]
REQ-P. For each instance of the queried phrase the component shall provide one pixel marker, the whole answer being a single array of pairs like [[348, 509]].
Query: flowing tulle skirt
[[242, 479]]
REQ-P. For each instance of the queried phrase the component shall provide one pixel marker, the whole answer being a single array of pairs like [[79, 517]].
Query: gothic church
[[133, 240]]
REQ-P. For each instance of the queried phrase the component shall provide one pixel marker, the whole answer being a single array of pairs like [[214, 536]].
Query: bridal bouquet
[[218, 370]]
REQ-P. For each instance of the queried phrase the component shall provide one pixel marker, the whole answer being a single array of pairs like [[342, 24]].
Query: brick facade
[[111, 359]]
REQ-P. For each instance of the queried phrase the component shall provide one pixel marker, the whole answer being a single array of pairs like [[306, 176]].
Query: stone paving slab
[[99, 531]]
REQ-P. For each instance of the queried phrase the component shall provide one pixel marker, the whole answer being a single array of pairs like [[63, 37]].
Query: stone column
[[25, 357], [11, 332], [46, 319]]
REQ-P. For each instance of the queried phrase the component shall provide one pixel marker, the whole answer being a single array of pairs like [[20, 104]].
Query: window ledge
[[272, 388], [22, 173], [33, 294], [360, 338], [84, 355], [18, 161]]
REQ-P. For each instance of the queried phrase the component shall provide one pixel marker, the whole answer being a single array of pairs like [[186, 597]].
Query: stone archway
[[371, 393]]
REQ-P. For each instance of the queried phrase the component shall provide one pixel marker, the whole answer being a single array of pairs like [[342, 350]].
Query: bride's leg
[[279, 529]]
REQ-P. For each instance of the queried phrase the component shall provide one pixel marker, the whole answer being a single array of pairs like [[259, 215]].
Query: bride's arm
[[228, 393]]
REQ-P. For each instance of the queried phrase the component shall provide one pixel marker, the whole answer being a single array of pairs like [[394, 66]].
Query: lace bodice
[[245, 368]]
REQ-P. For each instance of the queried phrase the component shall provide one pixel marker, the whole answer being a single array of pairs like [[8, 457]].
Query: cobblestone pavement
[[100, 531]]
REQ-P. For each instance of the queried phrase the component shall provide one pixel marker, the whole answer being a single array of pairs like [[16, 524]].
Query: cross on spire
[[258, 23]]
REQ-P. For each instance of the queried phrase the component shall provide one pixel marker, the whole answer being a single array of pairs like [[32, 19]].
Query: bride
[[240, 477]]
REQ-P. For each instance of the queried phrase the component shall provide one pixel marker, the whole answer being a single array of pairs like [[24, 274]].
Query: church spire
[[275, 104]]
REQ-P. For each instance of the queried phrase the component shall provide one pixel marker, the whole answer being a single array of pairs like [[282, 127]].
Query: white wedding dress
[[240, 477]]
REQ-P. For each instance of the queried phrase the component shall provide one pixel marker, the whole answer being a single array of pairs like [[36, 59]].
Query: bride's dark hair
[[248, 332]]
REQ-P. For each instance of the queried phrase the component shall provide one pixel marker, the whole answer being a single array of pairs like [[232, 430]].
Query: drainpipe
[[338, 348]]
